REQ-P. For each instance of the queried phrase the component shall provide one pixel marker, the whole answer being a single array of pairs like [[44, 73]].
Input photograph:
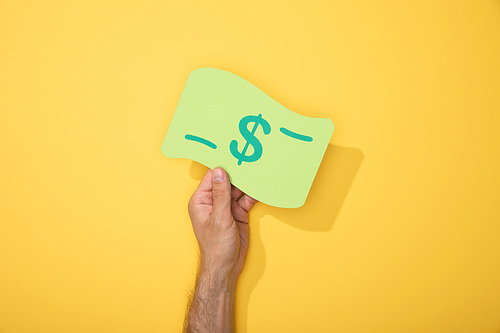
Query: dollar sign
[[251, 139]]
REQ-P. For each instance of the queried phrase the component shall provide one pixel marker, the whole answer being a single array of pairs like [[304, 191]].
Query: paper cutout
[[268, 151]]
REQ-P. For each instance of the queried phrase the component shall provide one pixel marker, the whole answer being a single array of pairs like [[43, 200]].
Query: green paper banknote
[[268, 151]]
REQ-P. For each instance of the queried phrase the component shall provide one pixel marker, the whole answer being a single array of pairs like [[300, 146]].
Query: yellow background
[[401, 231]]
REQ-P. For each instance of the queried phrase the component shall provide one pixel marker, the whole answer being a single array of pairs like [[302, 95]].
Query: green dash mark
[[200, 140], [295, 135]]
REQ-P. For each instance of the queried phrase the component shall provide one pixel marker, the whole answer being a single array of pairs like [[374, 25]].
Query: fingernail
[[218, 176]]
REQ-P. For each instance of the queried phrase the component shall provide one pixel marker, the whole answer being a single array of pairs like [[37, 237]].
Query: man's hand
[[219, 214]]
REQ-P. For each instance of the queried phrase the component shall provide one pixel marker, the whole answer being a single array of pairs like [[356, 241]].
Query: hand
[[219, 214]]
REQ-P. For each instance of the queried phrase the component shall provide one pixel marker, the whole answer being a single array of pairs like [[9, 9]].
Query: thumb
[[221, 192]]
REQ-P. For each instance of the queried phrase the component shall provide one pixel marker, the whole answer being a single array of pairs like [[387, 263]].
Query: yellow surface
[[401, 232]]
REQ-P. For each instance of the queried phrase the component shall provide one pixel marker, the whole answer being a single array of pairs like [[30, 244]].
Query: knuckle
[[219, 193]]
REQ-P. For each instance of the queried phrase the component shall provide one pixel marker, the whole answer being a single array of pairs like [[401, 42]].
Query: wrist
[[216, 279], [217, 267]]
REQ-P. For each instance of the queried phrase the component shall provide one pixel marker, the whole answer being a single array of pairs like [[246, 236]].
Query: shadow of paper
[[328, 192]]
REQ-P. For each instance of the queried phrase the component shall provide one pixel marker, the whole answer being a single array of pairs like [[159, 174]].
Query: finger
[[221, 192], [241, 207], [206, 182], [246, 202], [203, 193], [239, 213], [235, 193]]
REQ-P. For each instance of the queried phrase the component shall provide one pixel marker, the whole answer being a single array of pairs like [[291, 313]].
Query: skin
[[219, 214]]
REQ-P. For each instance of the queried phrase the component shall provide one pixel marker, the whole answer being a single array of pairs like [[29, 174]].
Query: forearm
[[212, 307]]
